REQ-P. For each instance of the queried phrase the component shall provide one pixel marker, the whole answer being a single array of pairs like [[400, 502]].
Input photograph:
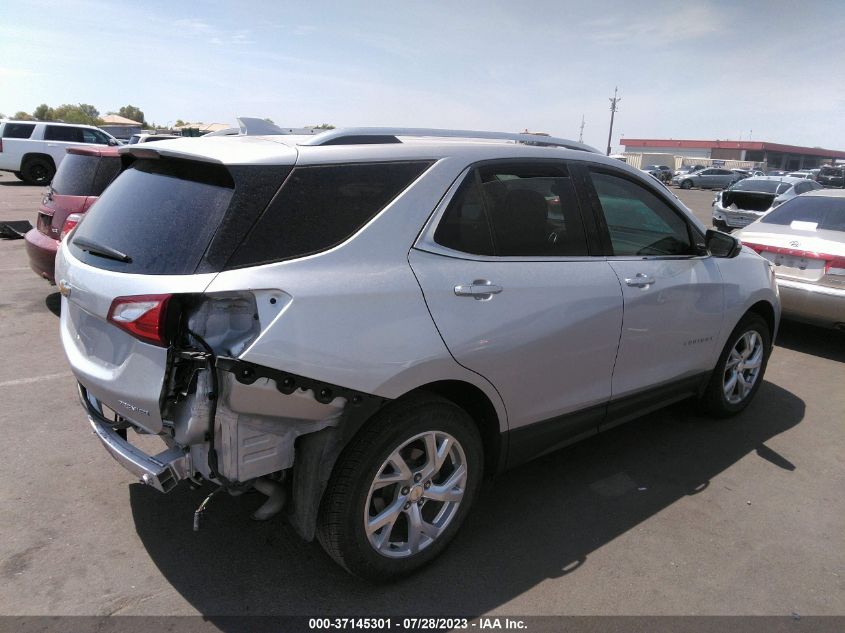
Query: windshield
[[825, 211], [830, 171], [776, 187]]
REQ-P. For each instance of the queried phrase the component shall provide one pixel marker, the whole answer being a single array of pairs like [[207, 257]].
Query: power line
[[614, 100]]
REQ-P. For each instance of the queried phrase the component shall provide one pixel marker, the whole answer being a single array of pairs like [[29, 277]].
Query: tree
[[81, 113], [22, 116], [44, 113], [131, 112], [324, 126], [179, 123]]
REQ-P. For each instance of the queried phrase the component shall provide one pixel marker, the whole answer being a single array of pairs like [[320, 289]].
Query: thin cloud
[[684, 23]]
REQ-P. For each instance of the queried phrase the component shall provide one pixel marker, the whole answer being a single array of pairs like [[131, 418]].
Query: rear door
[[518, 297], [673, 295]]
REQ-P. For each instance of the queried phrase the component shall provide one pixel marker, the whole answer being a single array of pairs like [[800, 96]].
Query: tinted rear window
[[18, 130], [320, 207], [75, 176], [161, 213], [826, 212]]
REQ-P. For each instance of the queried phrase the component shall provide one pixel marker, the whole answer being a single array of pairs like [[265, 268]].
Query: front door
[[673, 295]]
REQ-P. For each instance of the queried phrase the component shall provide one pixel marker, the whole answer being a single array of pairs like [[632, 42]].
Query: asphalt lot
[[670, 514]]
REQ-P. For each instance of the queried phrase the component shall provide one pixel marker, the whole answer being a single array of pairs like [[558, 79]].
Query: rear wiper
[[102, 251]]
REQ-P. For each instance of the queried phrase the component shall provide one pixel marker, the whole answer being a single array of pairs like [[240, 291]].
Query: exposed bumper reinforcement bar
[[162, 471]]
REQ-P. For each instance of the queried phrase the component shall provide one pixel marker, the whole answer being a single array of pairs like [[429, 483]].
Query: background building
[[774, 155], [120, 127]]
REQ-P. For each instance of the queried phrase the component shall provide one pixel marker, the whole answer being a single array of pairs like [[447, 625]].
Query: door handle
[[641, 280], [480, 289]]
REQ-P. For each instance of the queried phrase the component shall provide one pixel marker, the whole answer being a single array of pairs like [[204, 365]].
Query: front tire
[[740, 369], [686, 184], [401, 489]]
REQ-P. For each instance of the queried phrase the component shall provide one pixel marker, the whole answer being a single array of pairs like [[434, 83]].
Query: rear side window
[[63, 133], [464, 226], [320, 207], [826, 212], [515, 210], [107, 170], [159, 213], [18, 130]]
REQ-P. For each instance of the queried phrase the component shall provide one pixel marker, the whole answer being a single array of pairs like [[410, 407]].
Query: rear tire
[[38, 171], [401, 489], [17, 175], [740, 369]]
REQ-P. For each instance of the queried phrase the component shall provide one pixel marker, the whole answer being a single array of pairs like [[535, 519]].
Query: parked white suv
[[364, 323], [33, 150]]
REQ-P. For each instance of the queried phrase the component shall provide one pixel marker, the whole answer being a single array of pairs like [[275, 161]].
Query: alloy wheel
[[415, 494], [742, 368]]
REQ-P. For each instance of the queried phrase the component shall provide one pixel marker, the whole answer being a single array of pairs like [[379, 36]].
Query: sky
[[770, 70]]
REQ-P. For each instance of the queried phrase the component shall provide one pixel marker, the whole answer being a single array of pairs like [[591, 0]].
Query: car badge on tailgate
[[132, 407], [64, 288]]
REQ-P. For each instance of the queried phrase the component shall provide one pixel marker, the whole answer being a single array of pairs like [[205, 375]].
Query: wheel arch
[[317, 454], [481, 409], [32, 155], [765, 309]]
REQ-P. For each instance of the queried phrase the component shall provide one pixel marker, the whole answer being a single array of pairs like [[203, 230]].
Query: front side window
[[64, 133], [515, 210], [94, 136], [18, 130], [639, 222]]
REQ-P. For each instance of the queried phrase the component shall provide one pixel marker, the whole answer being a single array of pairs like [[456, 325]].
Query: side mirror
[[721, 244], [113, 142]]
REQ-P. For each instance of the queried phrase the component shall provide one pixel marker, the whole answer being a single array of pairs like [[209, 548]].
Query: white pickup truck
[[32, 150]]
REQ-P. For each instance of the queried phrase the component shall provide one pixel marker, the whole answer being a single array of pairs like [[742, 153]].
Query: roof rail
[[253, 126], [379, 135]]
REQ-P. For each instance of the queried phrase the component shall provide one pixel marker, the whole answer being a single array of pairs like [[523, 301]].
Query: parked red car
[[81, 178]]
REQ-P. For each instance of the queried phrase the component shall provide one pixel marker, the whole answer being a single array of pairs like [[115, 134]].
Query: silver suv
[[364, 323]]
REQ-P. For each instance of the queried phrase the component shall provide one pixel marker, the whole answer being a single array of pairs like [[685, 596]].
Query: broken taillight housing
[[70, 223], [142, 316]]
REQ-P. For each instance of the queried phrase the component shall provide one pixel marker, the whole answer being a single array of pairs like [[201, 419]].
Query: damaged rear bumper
[[162, 471], [734, 218]]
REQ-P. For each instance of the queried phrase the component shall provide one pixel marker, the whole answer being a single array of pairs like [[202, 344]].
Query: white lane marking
[[26, 381]]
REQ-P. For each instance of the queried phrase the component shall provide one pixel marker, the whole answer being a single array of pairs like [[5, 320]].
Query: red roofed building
[[775, 155]]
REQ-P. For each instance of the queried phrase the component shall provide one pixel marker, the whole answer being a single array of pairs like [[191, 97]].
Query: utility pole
[[581, 133], [614, 100]]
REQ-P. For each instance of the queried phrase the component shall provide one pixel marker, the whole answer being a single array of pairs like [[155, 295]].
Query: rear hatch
[[157, 235]]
